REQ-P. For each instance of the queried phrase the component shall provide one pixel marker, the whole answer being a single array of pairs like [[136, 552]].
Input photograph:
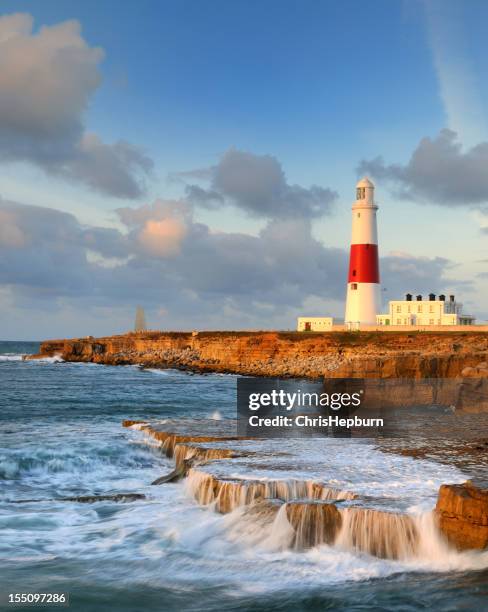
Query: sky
[[199, 158]]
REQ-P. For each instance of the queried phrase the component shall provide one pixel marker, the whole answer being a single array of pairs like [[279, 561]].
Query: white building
[[315, 324], [420, 312]]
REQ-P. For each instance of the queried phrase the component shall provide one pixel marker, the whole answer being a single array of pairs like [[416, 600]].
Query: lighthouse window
[[354, 287], [354, 272]]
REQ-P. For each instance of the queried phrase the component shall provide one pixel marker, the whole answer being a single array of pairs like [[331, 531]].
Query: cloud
[[404, 273], [439, 171], [46, 81], [162, 238], [11, 236], [157, 229], [456, 74], [206, 198], [257, 185], [168, 261]]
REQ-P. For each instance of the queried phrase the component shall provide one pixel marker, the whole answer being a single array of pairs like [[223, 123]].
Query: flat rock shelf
[[312, 503]]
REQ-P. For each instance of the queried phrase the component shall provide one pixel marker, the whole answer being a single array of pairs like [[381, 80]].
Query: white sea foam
[[53, 359], [397, 482], [138, 426], [195, 543]]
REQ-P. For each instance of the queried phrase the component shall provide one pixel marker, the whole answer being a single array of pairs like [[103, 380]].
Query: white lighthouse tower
[[363, 301]]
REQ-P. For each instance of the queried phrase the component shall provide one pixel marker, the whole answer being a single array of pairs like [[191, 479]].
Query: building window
[[419, 309], [354, 286], [359, 214], [431, 309], [409, 310], [431, 321], [399, 321], [399, 309]]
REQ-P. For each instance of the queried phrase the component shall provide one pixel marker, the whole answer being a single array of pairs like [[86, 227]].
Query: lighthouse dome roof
[[365, 182]]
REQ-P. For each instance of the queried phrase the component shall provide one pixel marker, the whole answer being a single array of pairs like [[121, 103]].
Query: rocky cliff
[[462, 512], [313, 355]]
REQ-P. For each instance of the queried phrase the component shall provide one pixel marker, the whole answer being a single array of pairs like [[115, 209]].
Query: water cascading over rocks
[[303, 513], [313, 523], [381, 534], [227, 495]]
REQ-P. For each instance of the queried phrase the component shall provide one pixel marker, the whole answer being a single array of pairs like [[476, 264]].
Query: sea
[[61, 436]]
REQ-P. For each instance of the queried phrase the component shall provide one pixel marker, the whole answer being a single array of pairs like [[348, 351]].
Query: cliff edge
[[290, 354]]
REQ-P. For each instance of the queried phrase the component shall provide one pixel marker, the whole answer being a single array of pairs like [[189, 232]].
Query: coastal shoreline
[[313, 509], [413, 354]]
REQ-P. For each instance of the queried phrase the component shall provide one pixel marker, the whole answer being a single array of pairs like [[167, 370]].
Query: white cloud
[[458, 82], [46, 81]]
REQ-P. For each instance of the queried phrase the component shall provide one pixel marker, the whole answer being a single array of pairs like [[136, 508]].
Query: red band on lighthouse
[[363, 264]]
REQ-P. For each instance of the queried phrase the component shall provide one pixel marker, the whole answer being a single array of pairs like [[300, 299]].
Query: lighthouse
[[363, 301]]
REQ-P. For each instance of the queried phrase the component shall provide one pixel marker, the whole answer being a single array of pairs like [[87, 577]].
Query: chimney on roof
[[451, 298], [442, 297], [431, 297], [409, 297], [419, 298]]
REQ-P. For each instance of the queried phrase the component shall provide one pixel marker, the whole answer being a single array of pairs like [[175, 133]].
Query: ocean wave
[[11, 357], [38, 463], [53, 359]]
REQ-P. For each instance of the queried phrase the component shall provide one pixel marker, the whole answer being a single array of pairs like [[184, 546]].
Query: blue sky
[[322, 87]]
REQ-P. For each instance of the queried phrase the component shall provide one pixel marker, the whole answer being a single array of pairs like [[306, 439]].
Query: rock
[[443, 354], [473, 393], [88, 499], [462, 514], [180, 471], [478, 371], [313, 523], [118, 497]]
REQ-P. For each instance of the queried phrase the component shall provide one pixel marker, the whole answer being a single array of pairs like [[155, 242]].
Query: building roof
[[365, 182]]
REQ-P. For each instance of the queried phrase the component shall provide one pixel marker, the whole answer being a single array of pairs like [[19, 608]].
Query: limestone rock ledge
[[462, 514], [402, 354], [314, 510]]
